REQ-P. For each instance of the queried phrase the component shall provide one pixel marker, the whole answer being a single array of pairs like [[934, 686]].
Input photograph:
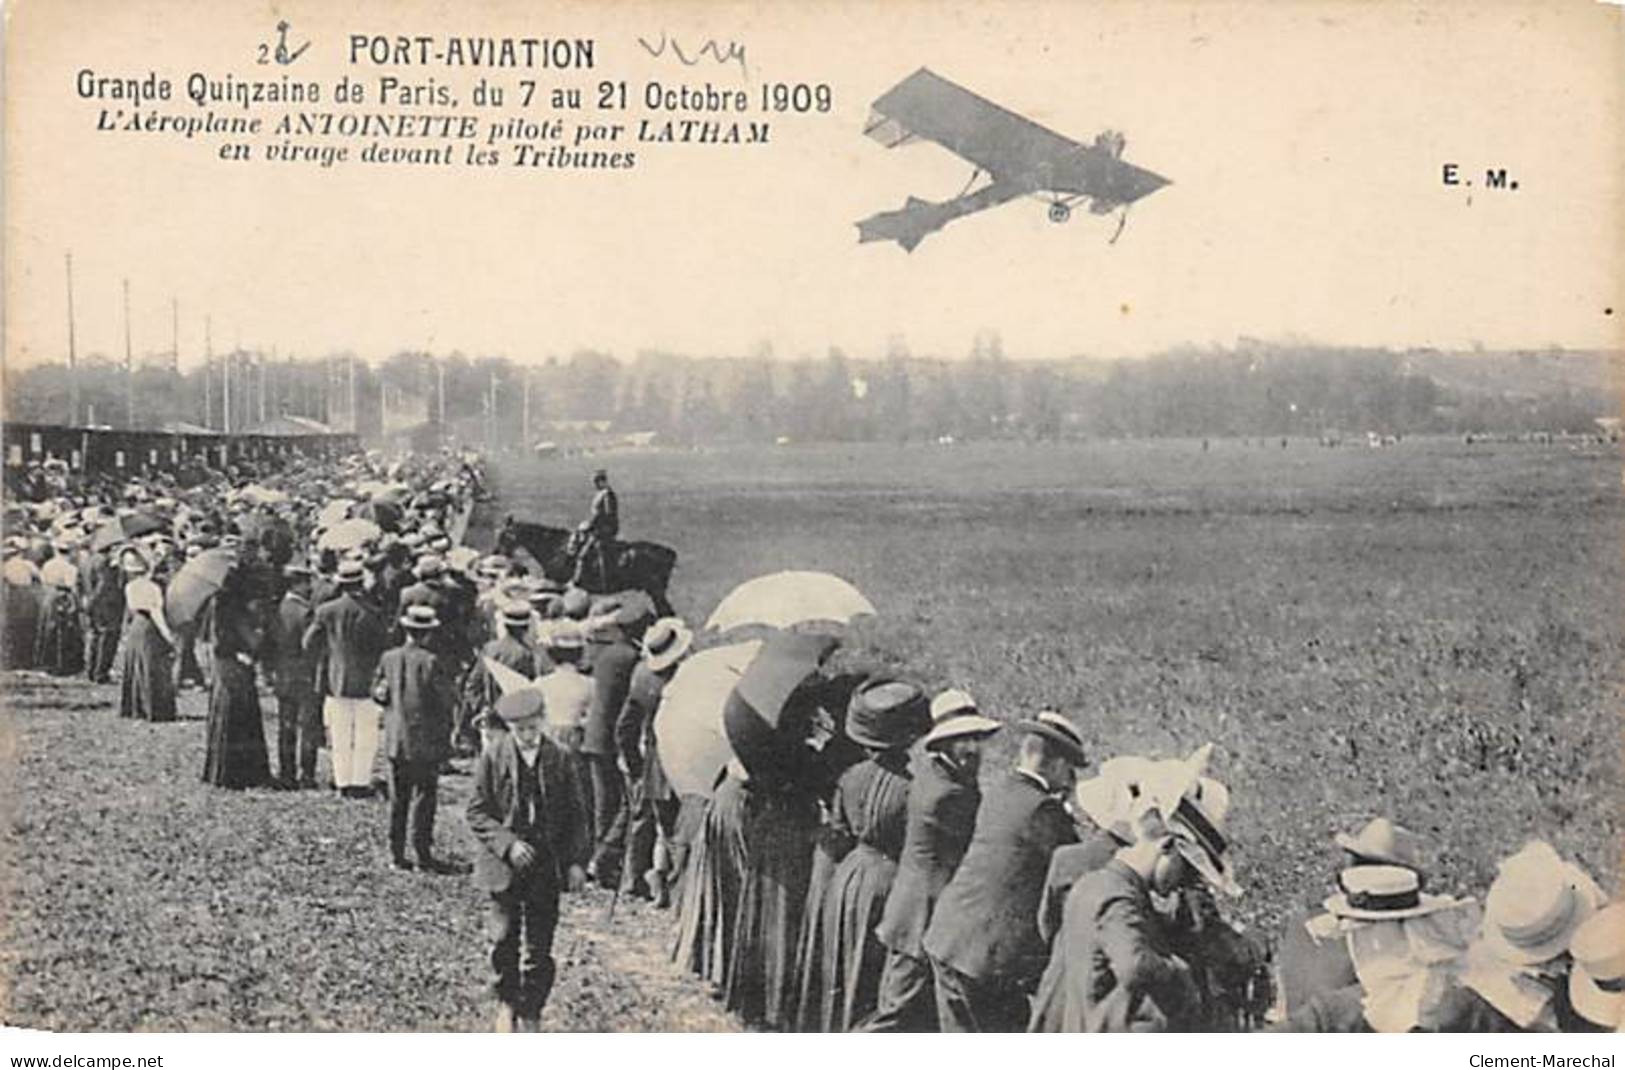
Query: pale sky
[[1304, 141]]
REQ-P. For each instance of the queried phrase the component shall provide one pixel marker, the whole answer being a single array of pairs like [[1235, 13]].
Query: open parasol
[[348, 534], [765, 729], [334, 512], [123, 529], [196, 583], [781, 599], [688, 725]]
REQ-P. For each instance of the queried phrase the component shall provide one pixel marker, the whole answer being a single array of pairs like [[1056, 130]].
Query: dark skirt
[[59, 647], [146, 686], [709, 900], [841, 976], [764, 974], [22, 620], [237, 756]]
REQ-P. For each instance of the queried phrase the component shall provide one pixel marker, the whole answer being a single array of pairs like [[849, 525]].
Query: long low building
[[102, 450]]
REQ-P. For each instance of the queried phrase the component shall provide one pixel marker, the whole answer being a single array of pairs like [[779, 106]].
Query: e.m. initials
[[1494, 177]]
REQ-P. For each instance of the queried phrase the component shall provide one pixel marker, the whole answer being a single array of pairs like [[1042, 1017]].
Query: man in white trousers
[[346, 639]]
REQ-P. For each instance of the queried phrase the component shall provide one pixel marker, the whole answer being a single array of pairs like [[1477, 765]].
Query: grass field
[[1431, 630]]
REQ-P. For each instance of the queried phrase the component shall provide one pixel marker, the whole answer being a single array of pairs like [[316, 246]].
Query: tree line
[[1252, 388]]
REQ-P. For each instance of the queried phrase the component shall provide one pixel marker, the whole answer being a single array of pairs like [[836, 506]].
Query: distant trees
[[1253, 388]]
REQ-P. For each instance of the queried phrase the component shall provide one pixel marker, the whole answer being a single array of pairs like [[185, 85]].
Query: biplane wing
[[1019, 155]]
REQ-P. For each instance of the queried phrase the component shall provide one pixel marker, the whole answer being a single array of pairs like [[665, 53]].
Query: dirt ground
[[133, 897]]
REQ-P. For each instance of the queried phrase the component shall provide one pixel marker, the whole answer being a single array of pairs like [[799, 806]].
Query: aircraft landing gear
[[1059, 212]]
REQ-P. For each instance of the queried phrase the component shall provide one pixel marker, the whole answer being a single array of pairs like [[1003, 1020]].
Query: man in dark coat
[[417, 694], [612, 656], [597, 533], [522, 812], [942, 803], [651, 809], [345, 639], [293, 676], [104, 610], [983, 942]]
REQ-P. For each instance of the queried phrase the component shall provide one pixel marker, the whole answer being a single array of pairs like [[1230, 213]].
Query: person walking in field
[[346, 638], [533, 847], [983, 941], [293, 675], [415, 688]]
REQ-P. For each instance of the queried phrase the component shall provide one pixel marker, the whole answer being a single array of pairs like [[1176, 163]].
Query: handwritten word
[[735, 52]]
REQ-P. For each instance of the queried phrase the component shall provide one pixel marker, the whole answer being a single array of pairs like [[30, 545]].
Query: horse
[[639, 565]]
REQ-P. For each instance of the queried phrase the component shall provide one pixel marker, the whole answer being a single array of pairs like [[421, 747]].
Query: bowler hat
[[887, 714]]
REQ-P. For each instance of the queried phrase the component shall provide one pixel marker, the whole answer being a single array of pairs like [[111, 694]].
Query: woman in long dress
[[59, 644], [146, 683], [237, 756], [842, 959], [708, 903]]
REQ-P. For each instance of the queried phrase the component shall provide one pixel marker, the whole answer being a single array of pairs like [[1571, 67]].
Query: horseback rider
[[596, 534]]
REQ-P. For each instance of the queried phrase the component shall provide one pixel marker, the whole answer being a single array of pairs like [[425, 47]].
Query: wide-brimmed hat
[[523, 704], [421, 617], [494, 566], [1597, 981], [1382, 842], [428, 565], [954, 715], [1058, 730], [562, 635], [1536, 903], [665, 643], [350, 571], [516, 614], [1195, 807], [1381, 892], [887, 714]]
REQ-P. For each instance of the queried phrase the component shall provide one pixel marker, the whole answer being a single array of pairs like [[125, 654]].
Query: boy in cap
[[417, 694], [983, 941], [523, 813]]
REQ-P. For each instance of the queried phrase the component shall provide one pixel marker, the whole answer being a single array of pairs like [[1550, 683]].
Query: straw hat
[[1597, 981], [1384, 843], [516, 613], [1378, 892], [1535, 905], [562, 635], [420, 617], [954, 715], [1107, 798], [428, 566], [1057, 730], [350, 571], [665, 643]]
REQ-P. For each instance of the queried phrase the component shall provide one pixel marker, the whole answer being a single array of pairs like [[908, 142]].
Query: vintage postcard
[[833, 517]]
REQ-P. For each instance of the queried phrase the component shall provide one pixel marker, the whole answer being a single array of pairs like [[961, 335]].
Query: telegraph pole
[[524, 417], [129, 364], [208, 371], [73, 356], [174, 334]]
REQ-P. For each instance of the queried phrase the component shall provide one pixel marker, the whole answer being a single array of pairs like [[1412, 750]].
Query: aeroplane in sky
[[1020, 158]]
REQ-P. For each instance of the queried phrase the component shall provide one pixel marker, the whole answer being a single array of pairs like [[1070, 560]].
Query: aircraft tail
[[907, 226]]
